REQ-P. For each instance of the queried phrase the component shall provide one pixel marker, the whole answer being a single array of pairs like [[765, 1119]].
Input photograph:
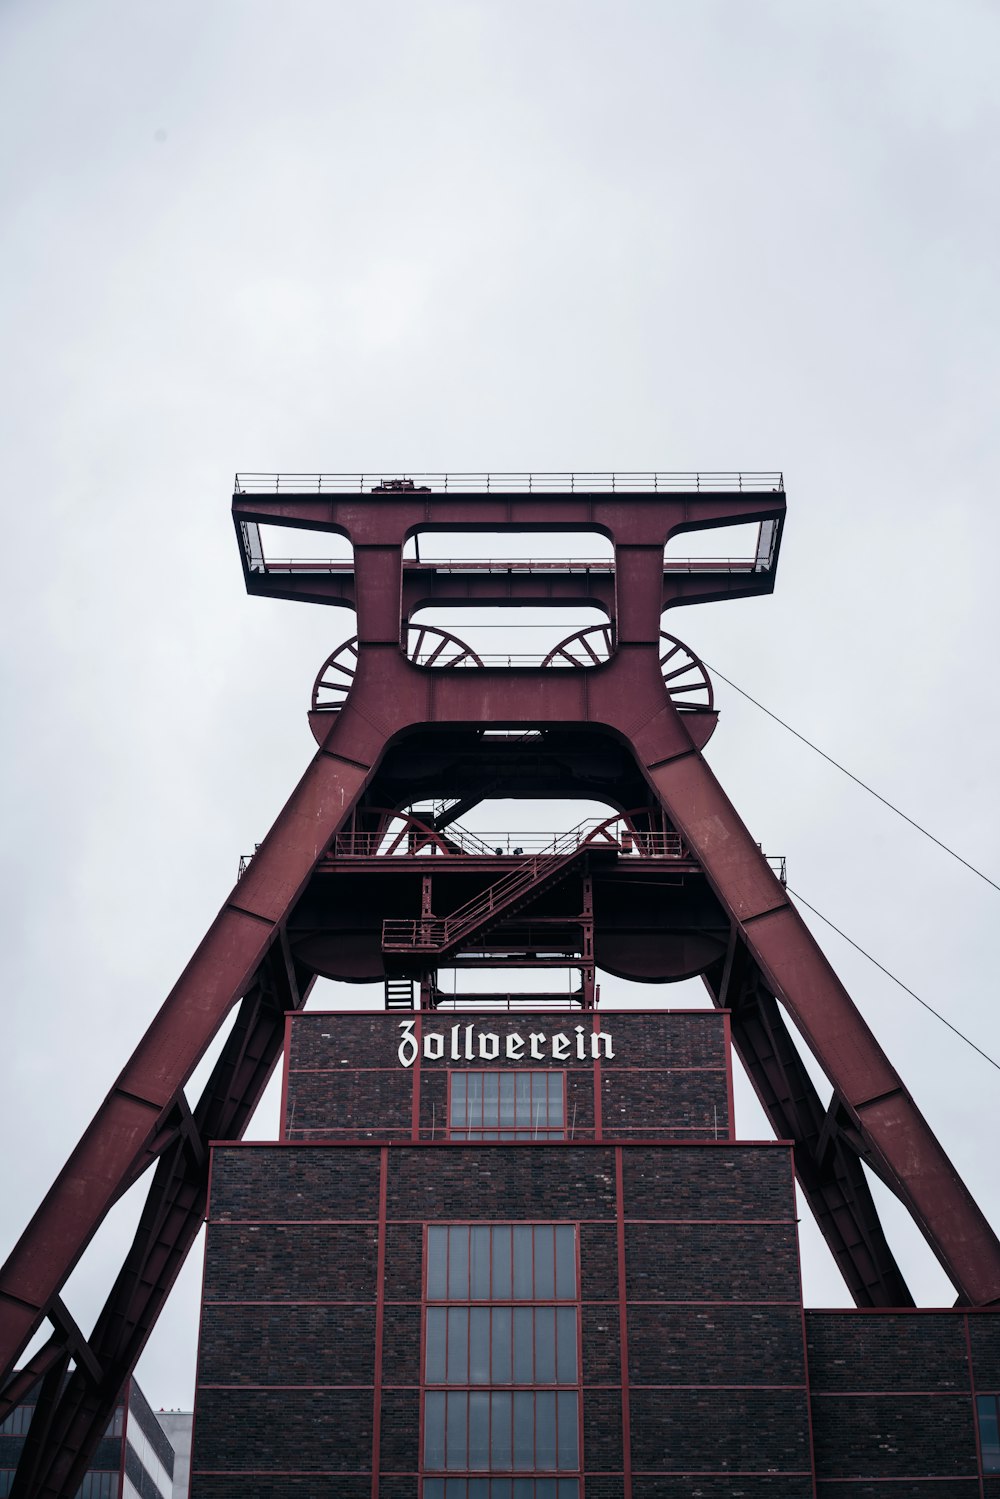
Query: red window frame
[[543, 1083], [492, 1302]]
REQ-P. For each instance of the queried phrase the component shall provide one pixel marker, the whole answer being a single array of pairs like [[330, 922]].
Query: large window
[[501, 1367], [988, 1412], [515, 1105]]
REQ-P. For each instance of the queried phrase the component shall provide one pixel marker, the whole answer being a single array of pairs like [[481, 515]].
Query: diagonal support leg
[[891, 1129], [829, 1173]]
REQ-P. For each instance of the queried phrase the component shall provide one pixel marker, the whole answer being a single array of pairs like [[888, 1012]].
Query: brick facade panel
[[601, 1359], [711, 1262], [709, 1182], [984, 1338], [287, 1345], [501, 1182], [399, 1430], [322, 1486], [404, 1261], [709, 1430], [755, 1486], [680, 1104], [350, 1103], [286, 1182], [860, 1351], [734, 1345], [401, 1344], [903, 1488], [291, 1262], [602, 1431], [894, 1436], [282, 1431], [598, 1262]]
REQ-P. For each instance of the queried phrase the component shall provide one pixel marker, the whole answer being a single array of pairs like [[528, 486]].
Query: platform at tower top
[[546, 482]]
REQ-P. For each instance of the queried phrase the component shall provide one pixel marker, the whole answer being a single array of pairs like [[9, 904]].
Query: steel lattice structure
[[619, 714]]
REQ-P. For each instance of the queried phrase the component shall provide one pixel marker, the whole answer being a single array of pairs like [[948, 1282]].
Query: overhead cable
[[856, 779], [881, 966]]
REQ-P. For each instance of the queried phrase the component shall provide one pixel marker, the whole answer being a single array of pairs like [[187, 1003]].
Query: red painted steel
[[404, 727]]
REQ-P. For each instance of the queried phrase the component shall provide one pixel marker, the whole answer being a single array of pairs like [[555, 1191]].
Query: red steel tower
[[368, 875]]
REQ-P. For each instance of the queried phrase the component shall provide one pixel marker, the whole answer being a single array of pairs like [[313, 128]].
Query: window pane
[[522, 1262], [481, 1263], [433, 1488], [545, 1430], [545, 1264], [545, 1345], [458, 1264], [557, 1097], [458, 1114], [474, 1106], [479, 1345], [523, 1345], [454, 1488], [491, 1099], [501, 1262], [435, 1366], [546, 1488], [524, 1431], [566, 1262], [568, 1412], [437, 1263], [569, 1488], [507, 1114], [522, 1107], [566, 1345], [479, 1429], [524, 1488], [500, 1448], [456, 1443], [500, 1488], [989, 1433], [433, 1430], [502, 1345], [458, 1345], [479, 1488]]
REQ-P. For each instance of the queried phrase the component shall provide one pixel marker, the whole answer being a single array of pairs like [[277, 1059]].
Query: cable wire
[[856, 779], [905, 987]]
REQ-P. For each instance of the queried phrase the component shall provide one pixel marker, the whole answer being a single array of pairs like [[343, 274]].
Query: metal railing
[[456, 840], [624, 481], [488, 565]]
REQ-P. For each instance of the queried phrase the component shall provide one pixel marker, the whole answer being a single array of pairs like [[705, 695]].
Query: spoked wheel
[[588, 647], [425, 645], [428, 646], [687, 682], [336, 678]]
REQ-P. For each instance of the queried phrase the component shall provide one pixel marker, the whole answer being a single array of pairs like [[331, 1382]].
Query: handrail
[[454, 565], [543, 482]]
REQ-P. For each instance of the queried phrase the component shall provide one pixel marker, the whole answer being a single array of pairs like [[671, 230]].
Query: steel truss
[[404, 730]]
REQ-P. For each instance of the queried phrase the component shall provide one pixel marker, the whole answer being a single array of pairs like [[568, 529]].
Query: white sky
[[512, 234]]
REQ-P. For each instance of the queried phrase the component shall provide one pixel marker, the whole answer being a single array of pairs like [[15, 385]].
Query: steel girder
[[244, 958]]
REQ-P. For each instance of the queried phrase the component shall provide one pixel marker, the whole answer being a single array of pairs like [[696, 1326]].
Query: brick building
[[522, 1256]]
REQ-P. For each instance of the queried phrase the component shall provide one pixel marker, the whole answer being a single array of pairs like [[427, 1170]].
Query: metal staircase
[[504, 898]]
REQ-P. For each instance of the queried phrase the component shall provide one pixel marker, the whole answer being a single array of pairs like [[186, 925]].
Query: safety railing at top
[[485, 565], [414, 842], [545, 482]]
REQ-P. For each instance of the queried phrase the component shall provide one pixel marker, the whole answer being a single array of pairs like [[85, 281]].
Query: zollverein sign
[[469, 1043]]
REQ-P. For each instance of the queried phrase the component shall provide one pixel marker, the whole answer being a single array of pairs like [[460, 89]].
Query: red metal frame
[[620, 710]]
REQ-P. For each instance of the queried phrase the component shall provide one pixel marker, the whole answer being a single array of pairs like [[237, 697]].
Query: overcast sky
[[512, 234]]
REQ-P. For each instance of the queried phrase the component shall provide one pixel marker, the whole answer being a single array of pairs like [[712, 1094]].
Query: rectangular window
[[988, 1412], [501, 1369], [513, 1105]]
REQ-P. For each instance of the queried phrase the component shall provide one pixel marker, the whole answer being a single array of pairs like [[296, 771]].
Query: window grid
[[501, 1382], [511, 1105]]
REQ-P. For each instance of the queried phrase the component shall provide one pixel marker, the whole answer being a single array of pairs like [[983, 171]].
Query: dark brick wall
[[892, 1400], [668, 1076], [313, 1279]]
